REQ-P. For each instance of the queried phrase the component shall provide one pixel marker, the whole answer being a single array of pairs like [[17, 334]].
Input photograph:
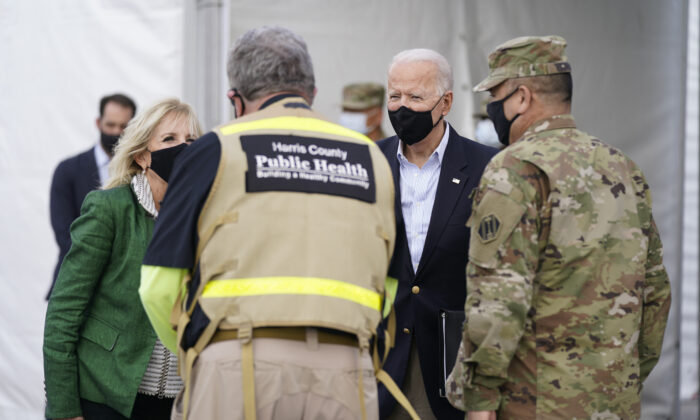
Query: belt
[[326, 336]]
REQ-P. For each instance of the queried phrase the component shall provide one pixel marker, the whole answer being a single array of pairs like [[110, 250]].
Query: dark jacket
[[97, 338], [72, 180], [441, 274]]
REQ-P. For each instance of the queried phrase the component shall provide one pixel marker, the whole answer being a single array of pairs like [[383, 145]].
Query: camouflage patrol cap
[[360, 96], [525, 56]]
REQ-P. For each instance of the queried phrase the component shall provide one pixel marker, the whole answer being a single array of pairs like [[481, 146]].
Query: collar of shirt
[[439, 151], [102, 161], [279, 97], [550, 123]]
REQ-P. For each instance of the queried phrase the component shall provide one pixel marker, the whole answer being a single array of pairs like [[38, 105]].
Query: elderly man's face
[[413, 85]]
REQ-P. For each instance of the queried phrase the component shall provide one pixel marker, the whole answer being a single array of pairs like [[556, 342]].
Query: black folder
[[450, 327]]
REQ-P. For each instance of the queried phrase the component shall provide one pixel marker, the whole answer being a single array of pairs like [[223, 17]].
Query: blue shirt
[[418, 188]]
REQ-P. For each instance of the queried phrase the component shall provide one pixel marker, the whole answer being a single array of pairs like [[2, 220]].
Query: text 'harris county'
[[312, 149]]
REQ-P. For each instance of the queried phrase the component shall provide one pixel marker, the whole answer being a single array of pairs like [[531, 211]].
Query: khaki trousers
[[294, 380], [414, 389]]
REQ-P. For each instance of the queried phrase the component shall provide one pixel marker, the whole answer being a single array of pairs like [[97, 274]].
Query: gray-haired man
[[285, 223]]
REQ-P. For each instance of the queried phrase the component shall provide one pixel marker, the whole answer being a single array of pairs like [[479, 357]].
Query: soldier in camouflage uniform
[[567, 296], [362, 109]]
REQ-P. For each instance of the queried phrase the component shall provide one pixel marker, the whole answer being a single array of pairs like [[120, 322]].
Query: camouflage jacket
[[567, 296]]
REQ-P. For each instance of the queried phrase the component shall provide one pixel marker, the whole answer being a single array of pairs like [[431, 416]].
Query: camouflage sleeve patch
[[492, 222]]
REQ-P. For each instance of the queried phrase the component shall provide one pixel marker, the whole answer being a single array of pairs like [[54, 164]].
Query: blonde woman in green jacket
[[102, 359]]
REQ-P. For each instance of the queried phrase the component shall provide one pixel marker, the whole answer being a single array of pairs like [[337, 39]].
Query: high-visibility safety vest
[[298, 230]]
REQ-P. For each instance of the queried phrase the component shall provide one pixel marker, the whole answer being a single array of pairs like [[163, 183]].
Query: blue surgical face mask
[[356, 121], [498, 116], [485, 133]]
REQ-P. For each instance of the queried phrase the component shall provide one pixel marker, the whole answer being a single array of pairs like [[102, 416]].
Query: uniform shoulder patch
[[488, 228]]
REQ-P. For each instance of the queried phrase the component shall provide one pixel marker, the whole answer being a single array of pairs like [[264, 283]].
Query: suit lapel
[[92, 175], [453, 178]]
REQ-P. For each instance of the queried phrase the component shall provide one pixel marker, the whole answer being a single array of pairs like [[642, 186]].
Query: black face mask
[[498, 117], [162, 160], [108, 142], [413, 126]]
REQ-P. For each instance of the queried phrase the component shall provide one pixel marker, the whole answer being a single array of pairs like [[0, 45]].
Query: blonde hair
[[138, 133]]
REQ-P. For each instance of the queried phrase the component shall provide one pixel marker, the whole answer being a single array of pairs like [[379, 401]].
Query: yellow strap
[[247, 371], [390, 331], [176, 313], [394, 390], [190, 357], [192, 354], [182, 358], [290, 123], [293, 286], [362, 391]]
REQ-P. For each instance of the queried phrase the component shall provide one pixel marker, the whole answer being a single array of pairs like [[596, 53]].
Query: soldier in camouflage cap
[[362, 109], [525, 56], [567, 295]]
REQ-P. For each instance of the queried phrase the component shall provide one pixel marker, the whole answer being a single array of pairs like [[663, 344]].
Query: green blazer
[[97, 338]]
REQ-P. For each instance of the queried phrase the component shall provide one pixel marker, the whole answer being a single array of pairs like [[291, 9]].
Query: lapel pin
[[455, 180]]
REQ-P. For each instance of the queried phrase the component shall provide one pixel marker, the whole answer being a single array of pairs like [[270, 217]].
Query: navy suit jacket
[[441, 273], [72, 180]]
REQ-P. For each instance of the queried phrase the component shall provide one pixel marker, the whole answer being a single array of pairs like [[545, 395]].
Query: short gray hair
[[270, 59], [444, 70]]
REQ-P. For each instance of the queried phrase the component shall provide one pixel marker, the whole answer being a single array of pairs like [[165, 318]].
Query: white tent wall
[[351, 41], [58, 59], [689, 287]]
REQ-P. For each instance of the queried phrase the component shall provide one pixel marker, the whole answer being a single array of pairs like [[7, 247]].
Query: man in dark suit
[[434, 171], [86, 171]]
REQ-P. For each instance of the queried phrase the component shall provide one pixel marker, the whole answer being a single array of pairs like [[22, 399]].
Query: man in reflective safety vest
[[271, 251]]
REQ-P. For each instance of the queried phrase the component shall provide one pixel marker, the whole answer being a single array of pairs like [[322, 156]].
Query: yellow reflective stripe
[[293, 123], [293, 286]]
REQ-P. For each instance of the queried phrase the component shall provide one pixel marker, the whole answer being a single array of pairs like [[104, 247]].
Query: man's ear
[[525, 99], [447, 100], [98, 120], [311, 99]]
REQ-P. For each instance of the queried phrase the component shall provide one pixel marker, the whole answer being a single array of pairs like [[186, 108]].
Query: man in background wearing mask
[[362, 109], [568, 296], [86, 171], [434, 171], [484, 131]]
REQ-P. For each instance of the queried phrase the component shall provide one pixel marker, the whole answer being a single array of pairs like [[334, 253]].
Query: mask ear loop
[[149, 165], [235, 109], [435, 106]]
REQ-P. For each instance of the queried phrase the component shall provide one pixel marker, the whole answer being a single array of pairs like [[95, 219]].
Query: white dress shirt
[[418, 188], [102, 161]]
